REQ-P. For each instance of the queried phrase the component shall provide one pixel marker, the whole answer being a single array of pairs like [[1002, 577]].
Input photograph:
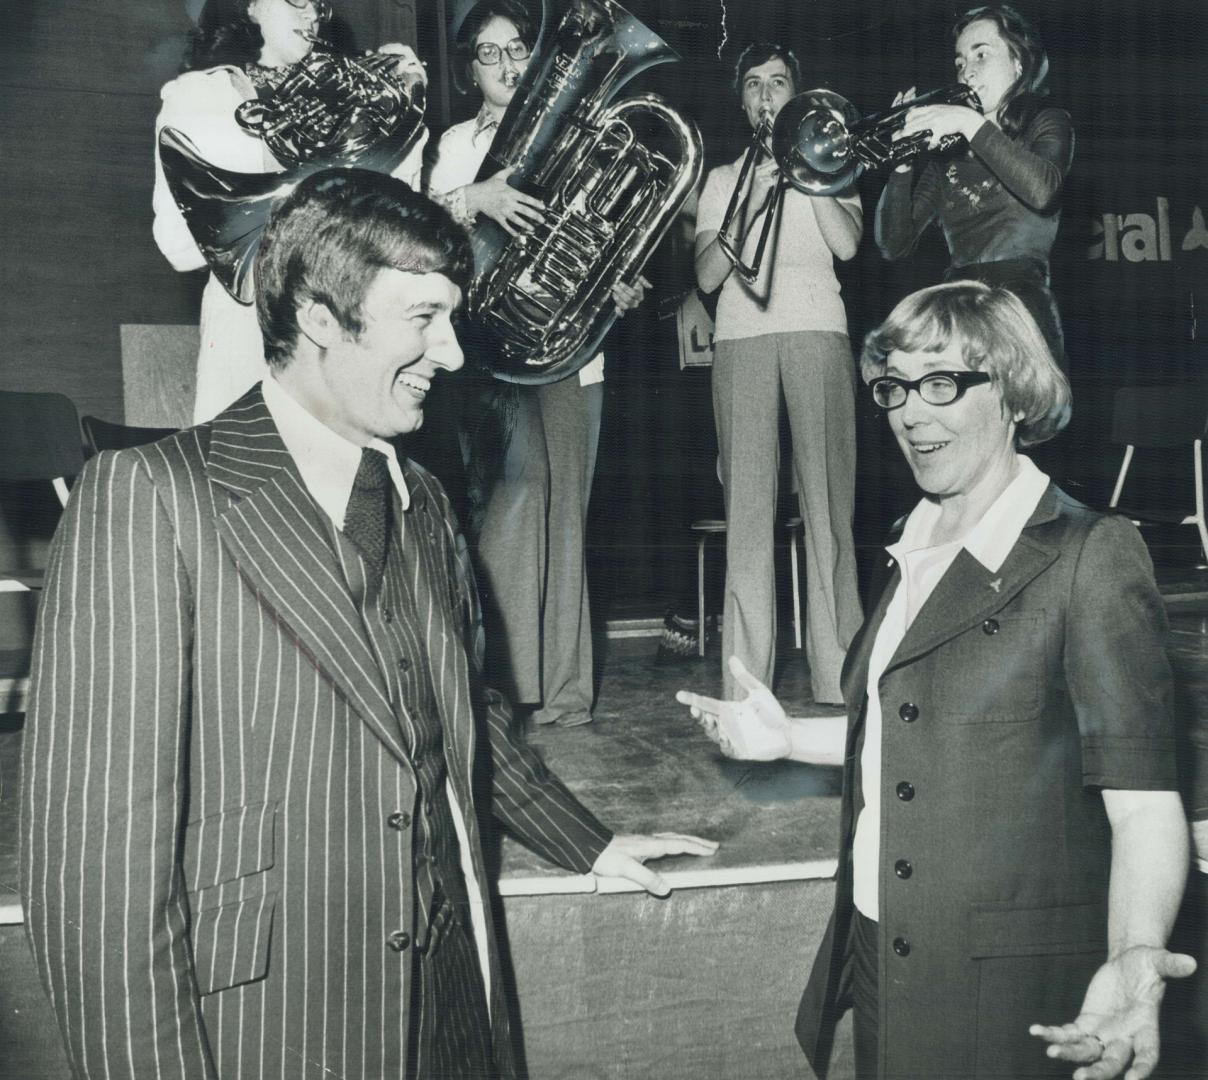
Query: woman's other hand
[[1118, 1025], [753, 729], [941, 121], [764, 177], [515, 211]]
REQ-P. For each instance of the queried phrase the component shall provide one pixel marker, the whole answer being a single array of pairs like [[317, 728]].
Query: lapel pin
[[996, 584]]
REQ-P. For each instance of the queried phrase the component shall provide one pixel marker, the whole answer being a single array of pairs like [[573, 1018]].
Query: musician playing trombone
[[785, 331]]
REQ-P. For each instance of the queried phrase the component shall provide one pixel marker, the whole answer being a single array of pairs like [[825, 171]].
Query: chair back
[[39, 437], [104, 435], [1160, 416]]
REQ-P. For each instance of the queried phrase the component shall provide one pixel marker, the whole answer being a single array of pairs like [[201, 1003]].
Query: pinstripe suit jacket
[[211, 759]]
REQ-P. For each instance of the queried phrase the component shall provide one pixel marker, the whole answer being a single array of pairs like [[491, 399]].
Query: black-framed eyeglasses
[[935, 388], [488, 53]]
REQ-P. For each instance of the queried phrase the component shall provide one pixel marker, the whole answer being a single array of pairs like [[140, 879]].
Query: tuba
[[328, 111], [821, 146], [543, 299]]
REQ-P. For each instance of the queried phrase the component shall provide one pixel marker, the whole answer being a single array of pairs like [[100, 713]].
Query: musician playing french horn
[[241, 50], [786, 331], [528, 506], [999, 204]]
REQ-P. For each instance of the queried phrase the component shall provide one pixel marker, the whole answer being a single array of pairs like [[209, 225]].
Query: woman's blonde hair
[[996, 334]]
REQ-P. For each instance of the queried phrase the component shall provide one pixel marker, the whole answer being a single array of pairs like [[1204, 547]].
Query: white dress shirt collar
[[991, 539], [328, 462]]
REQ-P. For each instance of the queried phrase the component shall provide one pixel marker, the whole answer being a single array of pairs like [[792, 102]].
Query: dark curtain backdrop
[[1129, 269], [80, 88]]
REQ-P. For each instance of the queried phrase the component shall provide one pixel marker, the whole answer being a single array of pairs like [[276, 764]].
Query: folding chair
[[105, 435], [1163, 418], [39, 442], [40, 439]]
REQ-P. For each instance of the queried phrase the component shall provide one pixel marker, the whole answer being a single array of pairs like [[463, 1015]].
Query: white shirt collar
[[484, 123], [989, 541], [328, 462]]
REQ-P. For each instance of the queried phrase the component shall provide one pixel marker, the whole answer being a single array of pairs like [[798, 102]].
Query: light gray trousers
[[815, 372], [531, 548]]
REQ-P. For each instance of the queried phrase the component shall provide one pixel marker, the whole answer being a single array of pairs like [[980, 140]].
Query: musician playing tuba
[[785, 332], [529, 511], [999, 204], [239, 51]]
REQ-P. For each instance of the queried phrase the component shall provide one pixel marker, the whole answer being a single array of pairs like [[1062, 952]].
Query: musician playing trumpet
[[999, 204], [239, 51], [785, 331]]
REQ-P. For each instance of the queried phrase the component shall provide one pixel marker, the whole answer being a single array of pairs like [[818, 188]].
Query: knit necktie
[[367, 519]]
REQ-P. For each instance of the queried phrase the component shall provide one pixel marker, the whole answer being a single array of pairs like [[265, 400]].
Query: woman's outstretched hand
[[753, 729]]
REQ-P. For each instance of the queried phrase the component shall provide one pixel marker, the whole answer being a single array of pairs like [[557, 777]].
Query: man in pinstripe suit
[[252, 779]]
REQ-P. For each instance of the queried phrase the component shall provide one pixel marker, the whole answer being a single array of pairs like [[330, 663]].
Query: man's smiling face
[[373, 384]]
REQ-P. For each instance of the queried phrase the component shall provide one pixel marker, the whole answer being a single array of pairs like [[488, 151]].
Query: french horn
[[543, 299], [328, 111], [822, 147]]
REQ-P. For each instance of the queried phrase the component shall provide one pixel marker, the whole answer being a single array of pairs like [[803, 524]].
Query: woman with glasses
[[240, 50], [999, 204], [530, 450], [1013, 848]]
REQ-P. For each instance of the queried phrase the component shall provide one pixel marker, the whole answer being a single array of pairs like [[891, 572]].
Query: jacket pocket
[[231, 942], [1030, 965], [229, 845], [996, 930], [995, 671]]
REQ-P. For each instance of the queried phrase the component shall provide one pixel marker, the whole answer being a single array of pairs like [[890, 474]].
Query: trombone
[[821, 146]]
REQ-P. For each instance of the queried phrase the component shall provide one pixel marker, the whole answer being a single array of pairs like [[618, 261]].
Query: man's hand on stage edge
[[625, 855]]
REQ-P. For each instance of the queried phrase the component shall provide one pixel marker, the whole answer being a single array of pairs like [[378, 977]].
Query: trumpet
[[821, 146]]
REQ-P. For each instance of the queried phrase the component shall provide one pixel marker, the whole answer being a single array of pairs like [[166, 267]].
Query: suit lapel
[[969, 593], [279, 540], [433, 592]]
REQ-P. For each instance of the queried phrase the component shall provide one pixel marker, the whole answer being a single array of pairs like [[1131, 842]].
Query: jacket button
[[903, 868], [399, 940], [387, 615], [909, 712], [404, 664], [901, 946], [905, 791], [990, 626], [400, 819]]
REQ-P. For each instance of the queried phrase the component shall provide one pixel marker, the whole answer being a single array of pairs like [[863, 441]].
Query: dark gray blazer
[[212, 765], [1013, 698]]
